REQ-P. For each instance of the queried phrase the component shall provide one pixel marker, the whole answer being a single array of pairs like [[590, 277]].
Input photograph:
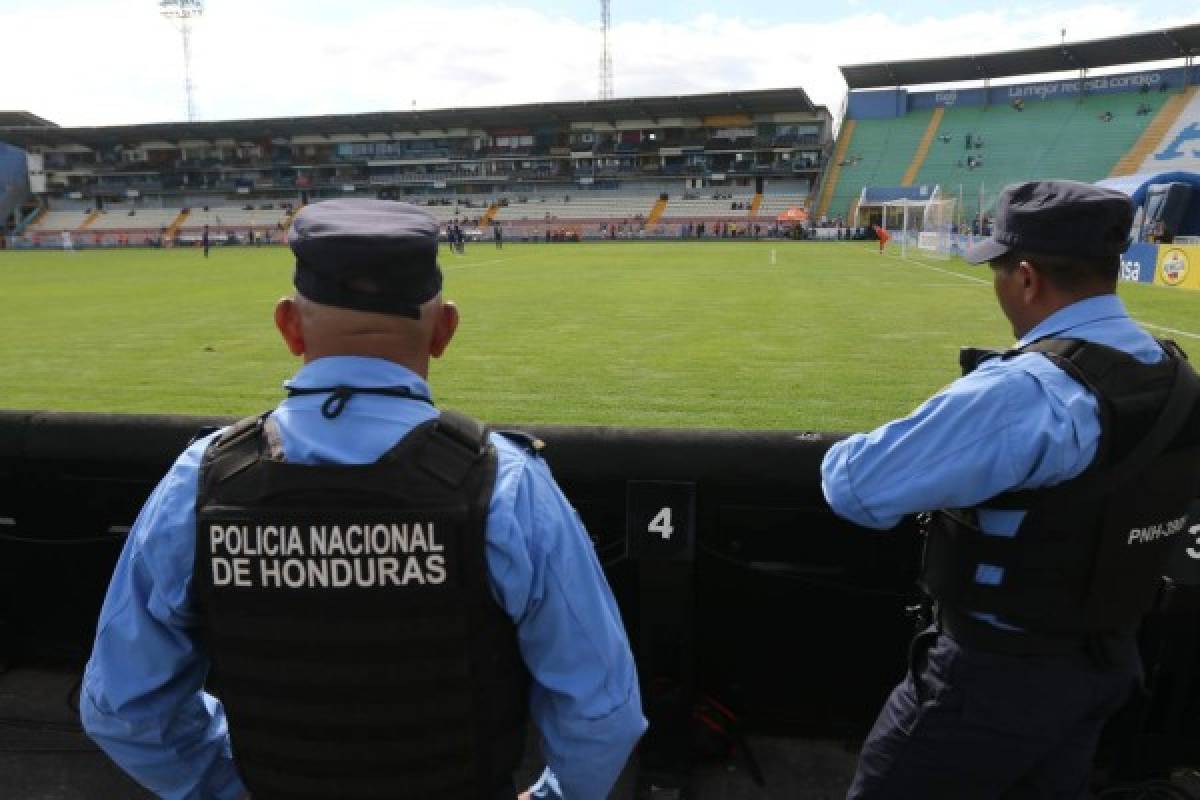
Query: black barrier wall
[[733, 576]]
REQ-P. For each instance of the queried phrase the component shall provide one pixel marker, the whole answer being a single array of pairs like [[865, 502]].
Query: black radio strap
[[340, 395]]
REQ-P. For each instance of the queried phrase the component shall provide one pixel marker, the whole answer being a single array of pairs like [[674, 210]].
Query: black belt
[[971, 631]]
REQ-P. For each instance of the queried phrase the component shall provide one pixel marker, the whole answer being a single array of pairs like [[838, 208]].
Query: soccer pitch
[[671, 334]]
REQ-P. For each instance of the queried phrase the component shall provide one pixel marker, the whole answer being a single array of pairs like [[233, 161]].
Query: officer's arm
[[997, 429], [142, 697], [584, 697]]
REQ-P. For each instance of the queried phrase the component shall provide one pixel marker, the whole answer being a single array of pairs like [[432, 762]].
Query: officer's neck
[[1051, 303], [414, 361]]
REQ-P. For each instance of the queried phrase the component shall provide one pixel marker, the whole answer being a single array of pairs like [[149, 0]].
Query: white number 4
[[662, 523]]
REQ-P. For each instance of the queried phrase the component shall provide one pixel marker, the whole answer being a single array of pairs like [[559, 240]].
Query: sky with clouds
[[116, 61]]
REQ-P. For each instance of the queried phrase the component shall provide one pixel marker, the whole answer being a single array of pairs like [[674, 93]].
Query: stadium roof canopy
[[1133, 48], [503, 117], [24, 119]]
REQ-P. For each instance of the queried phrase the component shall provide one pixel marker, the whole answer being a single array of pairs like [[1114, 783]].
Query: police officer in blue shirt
[[1057, 474], [378, 595]]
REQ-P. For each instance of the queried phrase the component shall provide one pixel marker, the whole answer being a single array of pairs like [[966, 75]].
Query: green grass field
[[829, 337]]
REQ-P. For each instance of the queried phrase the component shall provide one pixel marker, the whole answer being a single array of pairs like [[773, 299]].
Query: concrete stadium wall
[[14, 179]]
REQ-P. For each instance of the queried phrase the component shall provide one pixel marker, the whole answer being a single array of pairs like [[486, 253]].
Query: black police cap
[[367, 255], [1057, 218]]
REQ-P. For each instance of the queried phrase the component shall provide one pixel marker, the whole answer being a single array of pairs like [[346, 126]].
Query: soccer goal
[[923, 227]]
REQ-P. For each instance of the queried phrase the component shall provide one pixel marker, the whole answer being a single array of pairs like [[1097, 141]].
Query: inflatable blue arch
[[1166, 264]]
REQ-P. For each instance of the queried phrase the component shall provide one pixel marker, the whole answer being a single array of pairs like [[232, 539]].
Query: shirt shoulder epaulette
[[526, 441]]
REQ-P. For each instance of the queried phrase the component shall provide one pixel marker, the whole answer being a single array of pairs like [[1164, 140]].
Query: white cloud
[[120, 63]]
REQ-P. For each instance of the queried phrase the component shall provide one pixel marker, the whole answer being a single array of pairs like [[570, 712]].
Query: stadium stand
[[235, 218], [973, 142], [878, 155], [708, 206], [775, 204], [61, 221], [1154, 133], [118, 219], [1064, 138], [515, 165]]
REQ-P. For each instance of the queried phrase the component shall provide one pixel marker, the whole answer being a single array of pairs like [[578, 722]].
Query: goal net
[[923, 228]]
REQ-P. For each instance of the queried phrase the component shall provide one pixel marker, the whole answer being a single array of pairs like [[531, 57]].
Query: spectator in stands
[[511, 619]]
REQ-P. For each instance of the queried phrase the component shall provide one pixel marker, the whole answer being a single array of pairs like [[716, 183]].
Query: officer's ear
[[287, 320], [443, 328], [1030, 280]]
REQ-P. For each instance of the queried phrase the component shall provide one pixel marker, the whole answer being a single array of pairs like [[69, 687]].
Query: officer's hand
[[524, 795]]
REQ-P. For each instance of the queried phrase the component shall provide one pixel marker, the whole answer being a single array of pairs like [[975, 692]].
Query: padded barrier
[[800, 619]]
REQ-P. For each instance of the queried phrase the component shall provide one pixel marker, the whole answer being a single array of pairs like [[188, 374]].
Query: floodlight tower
[[606, 73], [181, 13]]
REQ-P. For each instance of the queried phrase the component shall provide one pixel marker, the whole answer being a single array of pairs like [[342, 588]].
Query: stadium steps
[[835, 167], [487, 217], [176, 224], [914, 167], [32, 220], [1152, 137], [92, 217], [287, 220], [660, 206], [756, 204]]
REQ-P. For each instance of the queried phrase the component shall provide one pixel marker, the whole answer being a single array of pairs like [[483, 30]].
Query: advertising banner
[[1139, 263], [1178, 265]]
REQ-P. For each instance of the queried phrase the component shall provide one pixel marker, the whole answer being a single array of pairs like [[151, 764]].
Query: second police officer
[[1058, 473]]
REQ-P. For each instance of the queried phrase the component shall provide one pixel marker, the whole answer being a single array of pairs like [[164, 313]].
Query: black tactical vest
[[1088, 556], [355, 642]]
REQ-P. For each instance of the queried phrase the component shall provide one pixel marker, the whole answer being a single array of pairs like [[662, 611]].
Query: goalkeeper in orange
[[882, 235]]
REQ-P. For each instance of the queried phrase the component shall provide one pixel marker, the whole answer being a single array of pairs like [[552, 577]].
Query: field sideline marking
[[938, 269], [1175, 331], [1168, 330]]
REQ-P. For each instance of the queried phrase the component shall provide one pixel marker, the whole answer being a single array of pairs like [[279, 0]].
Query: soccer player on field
[[883, 237]]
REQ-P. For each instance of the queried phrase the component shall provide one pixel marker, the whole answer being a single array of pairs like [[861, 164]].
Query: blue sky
[[116, 61]]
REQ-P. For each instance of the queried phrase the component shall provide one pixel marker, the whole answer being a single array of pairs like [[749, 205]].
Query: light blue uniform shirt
[[142, 697], [1020, 423]]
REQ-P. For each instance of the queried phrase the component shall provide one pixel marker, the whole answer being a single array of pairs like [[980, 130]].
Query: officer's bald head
[[316, 330]]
